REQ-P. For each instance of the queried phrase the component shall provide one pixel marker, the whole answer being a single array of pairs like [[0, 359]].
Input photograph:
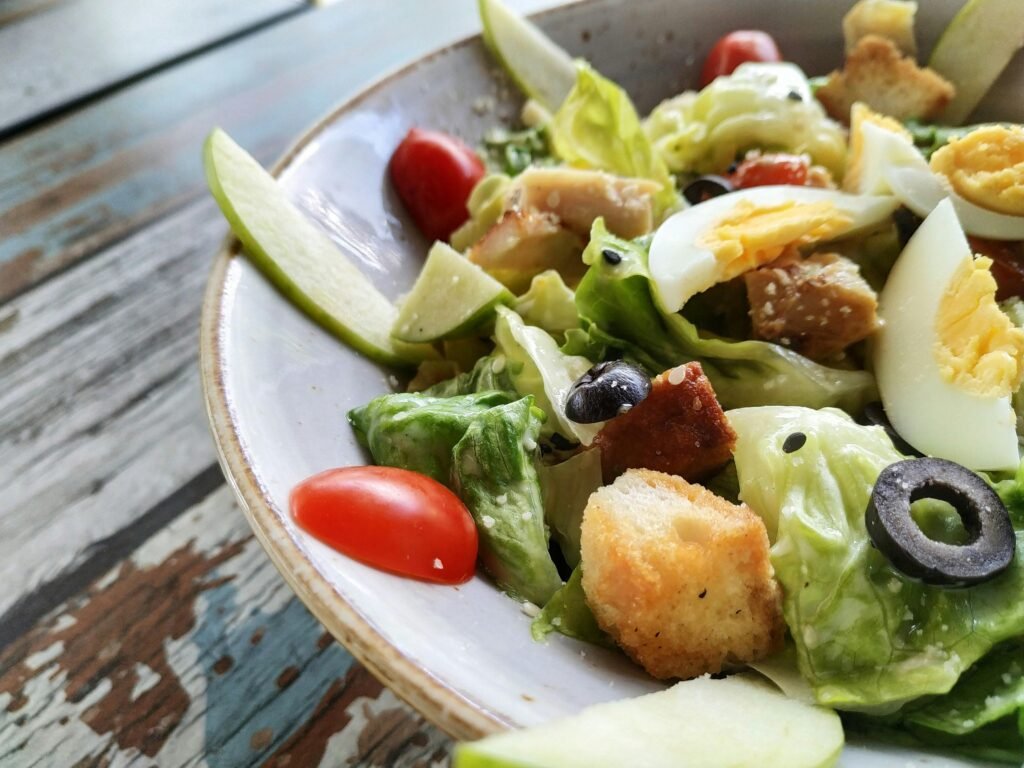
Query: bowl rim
[[455, 714]]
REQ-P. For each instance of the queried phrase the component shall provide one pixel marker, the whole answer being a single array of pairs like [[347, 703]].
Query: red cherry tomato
[[433, 174], [766, 170], [736, 48], [1007, 264], [392, 519]]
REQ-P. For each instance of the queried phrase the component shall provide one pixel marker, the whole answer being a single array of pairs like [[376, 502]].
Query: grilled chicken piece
[[679, 429], [525, 243], [577, 197], [817, 306]]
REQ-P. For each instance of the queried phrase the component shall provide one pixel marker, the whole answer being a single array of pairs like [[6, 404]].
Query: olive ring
[[992, 542]]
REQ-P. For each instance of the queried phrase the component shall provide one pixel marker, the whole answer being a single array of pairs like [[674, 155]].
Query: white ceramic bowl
[[278, 388]]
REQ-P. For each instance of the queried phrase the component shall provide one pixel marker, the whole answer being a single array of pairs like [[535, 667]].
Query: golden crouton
[[679, 577], [877, 74], [679, 428], [817, 306]]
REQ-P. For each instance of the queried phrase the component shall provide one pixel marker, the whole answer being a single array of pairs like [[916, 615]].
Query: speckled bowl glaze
[[277, 387]]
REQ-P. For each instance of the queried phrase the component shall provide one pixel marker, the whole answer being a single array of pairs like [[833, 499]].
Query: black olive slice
[[705, 188], [874, 414], [991, 545], [605, 391]]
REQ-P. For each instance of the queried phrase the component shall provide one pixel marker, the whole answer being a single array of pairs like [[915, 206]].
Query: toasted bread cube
[[680, 578], [817, 306], [680, 429], [877, 74]]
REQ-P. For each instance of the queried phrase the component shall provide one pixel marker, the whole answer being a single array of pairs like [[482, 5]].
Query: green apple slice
[[452, 298], [541, 69], [975, 48], [738, 721], [302, 261]]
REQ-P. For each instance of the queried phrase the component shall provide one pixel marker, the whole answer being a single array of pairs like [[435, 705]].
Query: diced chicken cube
[[578, 197], [679, 429], [817, 306]]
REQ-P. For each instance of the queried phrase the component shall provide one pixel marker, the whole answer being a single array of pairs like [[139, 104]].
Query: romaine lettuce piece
[[598, 127], [759, 106], [549, 304], [867, 637], [494, 475], [566, 488], [538, 368], [417, 431], [489, 373], [616, 303], [567, 613]]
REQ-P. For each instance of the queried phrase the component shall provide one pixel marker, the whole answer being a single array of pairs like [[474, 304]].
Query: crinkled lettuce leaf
[[538, 367], [566, 487], [597, 127], [617, 305], [549, 304], [759, 106], [493, 473], [488, 373], [567, 613], [868, 638], [485, 205]]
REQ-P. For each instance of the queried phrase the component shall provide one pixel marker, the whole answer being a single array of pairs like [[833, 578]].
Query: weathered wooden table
[[140, 621]]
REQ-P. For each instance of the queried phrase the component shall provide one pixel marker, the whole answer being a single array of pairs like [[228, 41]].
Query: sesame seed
[[487, 521], [438, 565]]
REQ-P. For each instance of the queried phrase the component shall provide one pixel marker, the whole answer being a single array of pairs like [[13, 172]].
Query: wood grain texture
[[194, 652], [76, 185], [80, 47]]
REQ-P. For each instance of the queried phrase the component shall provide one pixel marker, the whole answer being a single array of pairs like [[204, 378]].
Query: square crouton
[[679, 577]]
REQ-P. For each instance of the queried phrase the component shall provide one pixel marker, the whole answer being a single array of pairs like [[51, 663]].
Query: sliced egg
[[946, 358], [884, 161], [726, 236]]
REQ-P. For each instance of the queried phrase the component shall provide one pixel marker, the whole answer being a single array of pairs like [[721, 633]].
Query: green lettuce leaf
[[566, 487], [538, 368], [485, 206], [488, 373], [567, 613], [512, 152], [494, 474], [597, 127], [549, 304], [750, 109], [618, 309], [868, 638], [418, 432]]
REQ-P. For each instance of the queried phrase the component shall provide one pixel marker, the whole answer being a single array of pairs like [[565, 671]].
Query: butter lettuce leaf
[[618, 309], [868, 638], [567, 613], [597, 127], [549, 304], [759, 106], [566, 487]]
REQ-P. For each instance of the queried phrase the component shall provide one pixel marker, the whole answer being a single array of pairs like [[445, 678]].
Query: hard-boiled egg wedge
[[883, 160], [947, 359], [720, 239]]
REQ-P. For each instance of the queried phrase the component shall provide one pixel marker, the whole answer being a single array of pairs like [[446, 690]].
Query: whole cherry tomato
[[1007, 264], [433, 174], [766, 170], [392, 519], [736, 48]]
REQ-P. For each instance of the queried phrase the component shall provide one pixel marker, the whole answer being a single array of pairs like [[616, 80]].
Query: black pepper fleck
[[794, 442], [794, 96], [703, 594], [612, 257]]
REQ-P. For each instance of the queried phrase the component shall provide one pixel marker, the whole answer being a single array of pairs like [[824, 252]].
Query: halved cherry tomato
[[1007, 264], [433, 174], [736, 48], [392, 519], [766, 170]]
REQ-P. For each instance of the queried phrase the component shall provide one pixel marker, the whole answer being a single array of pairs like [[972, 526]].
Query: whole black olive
[[991, 544], [705, 188], [874, 415], [605, 391]]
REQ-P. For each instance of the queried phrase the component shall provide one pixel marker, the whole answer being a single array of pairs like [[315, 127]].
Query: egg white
[[680, 268], [930, 413]]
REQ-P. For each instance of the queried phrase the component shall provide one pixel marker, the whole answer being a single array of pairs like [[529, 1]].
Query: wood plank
[[194, 652], [70, 188], [81, 47], [100, 413]]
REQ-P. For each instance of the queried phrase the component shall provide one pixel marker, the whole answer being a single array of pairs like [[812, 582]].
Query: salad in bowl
[[732, 388]]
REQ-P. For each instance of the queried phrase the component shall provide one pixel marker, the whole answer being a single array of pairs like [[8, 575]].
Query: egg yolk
[[978, 347], [986, 167], [752, 235]]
